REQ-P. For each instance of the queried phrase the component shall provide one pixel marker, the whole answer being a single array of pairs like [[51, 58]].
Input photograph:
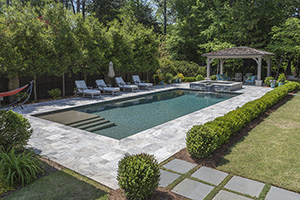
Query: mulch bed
[[159, 194]]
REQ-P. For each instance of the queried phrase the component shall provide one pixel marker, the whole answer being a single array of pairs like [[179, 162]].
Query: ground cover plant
[[202, 140], [270, 151]]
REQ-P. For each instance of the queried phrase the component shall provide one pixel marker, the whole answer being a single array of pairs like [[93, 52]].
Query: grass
[[270, 151], [63, 184]]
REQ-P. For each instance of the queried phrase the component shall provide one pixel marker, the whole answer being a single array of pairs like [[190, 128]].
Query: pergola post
[[208, 68], [259, 69], [269, 67], [221, 65]]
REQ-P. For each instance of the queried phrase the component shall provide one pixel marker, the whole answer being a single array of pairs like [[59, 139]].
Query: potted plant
[[168, 77], [273, 83], [180, 77], [161, 78], [281, 79]]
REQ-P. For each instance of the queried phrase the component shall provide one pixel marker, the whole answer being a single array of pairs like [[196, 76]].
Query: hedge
[[189, 79], [202, 140]]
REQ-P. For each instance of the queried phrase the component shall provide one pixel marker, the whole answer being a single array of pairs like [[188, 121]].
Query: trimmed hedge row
[[202, 140], [189, 79]]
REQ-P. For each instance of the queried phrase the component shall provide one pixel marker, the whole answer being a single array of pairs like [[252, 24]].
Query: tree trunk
[[288, 70], [7, 2], [83, 9], [165, 17], [78, 6], [13, 83], [34, 89], [63, 85], [73, 7], [278, 67]]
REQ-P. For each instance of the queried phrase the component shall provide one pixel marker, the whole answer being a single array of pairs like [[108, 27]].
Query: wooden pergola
[[240, 52]]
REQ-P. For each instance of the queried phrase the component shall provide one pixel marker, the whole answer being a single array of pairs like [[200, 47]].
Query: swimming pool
[[130, 116]]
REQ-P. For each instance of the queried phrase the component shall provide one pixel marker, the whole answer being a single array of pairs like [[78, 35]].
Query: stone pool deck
[[96, 156]]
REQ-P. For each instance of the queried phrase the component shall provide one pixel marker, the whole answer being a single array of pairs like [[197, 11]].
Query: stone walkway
[[96, 156], [199, 183]]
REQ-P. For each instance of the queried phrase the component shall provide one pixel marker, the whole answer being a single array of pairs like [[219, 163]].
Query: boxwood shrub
[[189, 79], [202, 140], [15, 130], [138, 175]]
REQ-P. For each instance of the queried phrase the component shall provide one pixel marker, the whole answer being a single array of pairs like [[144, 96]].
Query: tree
[[284, 38], [64, 51], [93, 44]]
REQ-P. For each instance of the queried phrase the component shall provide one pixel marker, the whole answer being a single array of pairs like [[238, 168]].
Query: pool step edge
[[100, 127], [88, 125], [79, 123]]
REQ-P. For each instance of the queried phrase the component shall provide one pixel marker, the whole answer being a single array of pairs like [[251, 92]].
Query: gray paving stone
[[179, 166], [224, 195], [276, 193], [166, 178], [193, 189], [210, 175], [245, 186]]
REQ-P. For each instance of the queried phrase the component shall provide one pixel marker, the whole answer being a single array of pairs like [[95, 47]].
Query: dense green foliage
[[281, 78], [15, 130], [138, 175], [55, 93], [199, 77], [19, 168], [268, 80], [202, 140], [189, 79]]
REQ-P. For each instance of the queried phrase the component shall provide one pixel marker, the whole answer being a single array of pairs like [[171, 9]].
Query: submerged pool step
[[88, 125], [100, 127], [83, 122]]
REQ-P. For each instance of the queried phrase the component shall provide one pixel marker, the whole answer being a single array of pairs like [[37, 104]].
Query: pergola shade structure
[[240, 52]]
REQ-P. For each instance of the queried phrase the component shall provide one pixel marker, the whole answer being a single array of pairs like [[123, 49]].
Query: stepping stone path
[[166, 178], [245, 186], [193, 189], [206, 180]]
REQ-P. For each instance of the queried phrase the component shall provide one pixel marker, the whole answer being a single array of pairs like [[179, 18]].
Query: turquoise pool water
[[141, 113]]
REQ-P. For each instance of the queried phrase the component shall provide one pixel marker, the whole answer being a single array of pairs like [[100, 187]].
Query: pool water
[[135, 115]]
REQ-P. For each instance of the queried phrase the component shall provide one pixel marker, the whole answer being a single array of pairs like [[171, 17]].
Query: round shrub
[[213, 77], [189, 79], [268, 79], [201, 141], [15, 130], [138, 175], [19, 168], [199, 77], [55, 93]]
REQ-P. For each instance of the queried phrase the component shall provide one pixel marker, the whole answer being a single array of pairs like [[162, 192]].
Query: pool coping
[[97, 156]]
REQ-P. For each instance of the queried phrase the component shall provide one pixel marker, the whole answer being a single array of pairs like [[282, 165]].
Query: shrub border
[[202, 140]]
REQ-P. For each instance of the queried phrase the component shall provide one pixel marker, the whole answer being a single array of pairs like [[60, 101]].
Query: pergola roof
[[238, 52]]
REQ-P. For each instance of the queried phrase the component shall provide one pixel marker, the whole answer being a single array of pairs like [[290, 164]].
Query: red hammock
[[12, 92]]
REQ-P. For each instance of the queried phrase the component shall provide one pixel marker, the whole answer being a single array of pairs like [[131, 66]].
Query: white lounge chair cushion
[[145, 84], [110, 89], [129, 86], [91, 92]]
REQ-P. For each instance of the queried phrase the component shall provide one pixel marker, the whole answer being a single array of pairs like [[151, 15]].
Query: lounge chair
[[238, 77], [121, 84], [223, 77], [139, 83], [251, 80], [81, 88], [103, 87]]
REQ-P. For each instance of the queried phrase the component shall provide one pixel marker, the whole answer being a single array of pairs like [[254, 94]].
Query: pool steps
[[92, 124]]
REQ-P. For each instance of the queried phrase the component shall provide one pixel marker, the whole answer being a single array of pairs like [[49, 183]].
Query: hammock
[[13, 92]]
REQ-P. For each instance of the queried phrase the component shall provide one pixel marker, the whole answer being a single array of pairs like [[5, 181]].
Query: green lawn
[[271, 151], [63, 184]]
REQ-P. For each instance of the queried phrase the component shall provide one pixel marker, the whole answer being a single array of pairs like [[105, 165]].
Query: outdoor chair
[[251, 80], [81, 88], [223, 77], [121, 84], [238, 77], [136, 80], [247, 75], [104, 88]]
